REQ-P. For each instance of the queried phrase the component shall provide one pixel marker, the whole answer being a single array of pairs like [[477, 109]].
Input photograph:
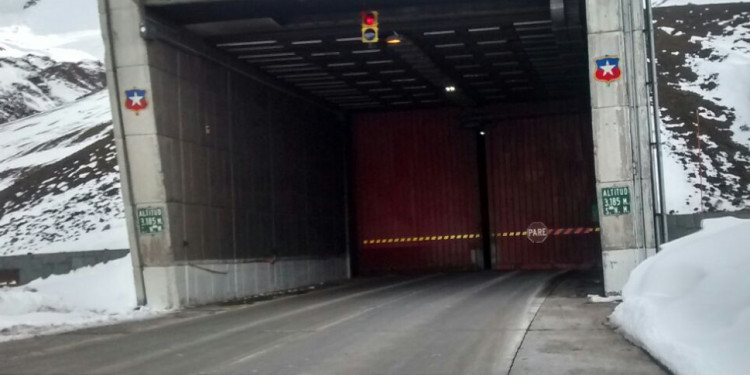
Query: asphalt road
[[467, 323]]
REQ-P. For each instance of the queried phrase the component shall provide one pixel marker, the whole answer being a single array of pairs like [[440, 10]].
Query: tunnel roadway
[[460, 323]]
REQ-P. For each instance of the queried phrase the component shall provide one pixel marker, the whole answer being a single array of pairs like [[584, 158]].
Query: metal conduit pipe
[[629, 23], [661, 216]]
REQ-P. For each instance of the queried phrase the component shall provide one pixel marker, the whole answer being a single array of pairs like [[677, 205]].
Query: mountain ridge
[[32, 84]]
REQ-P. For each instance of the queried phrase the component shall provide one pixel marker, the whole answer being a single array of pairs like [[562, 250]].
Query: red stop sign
[[537, 232]]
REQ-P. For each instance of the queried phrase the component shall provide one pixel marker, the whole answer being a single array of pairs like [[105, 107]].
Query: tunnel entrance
[[501, 81], [301, 149]]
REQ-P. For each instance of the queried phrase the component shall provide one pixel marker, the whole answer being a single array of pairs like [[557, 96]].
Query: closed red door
[[417, 193], [541, 169]]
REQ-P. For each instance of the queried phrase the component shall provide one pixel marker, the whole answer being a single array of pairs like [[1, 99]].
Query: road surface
[[464, 323]]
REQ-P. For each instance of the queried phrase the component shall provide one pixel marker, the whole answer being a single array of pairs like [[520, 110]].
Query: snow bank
[[672, 3], [98, 295], [689, 306], [593, 298]]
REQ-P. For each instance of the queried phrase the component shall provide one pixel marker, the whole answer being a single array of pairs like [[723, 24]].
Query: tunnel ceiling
[[491, 51]]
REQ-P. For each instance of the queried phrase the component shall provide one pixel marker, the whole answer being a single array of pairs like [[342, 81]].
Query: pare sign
[[537, 232]]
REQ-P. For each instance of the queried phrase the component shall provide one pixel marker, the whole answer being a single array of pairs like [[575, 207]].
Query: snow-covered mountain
[[47, 60], [703, 54], [65, 30], [30, 83], [59, 181]]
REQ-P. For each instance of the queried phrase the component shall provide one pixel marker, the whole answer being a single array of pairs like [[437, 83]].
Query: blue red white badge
[[608, 69], [135, 100]]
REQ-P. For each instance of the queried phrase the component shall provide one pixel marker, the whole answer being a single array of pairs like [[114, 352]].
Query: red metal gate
[[416, 188], [418, 202], [542, 170]]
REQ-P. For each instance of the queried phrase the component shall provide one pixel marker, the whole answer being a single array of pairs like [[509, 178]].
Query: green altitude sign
[[150, 220], [616, 201]]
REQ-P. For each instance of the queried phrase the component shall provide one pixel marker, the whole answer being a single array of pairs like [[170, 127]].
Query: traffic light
[[370, 27]]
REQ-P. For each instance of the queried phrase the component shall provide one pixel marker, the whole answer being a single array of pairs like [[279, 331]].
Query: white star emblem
[[135, 100], [607, 68]]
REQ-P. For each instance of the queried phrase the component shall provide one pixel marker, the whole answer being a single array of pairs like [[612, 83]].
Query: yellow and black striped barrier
[[422, 239], [453, 237]]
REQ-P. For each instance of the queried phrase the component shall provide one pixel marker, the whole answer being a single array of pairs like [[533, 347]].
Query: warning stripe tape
[[551, 232], [453, 237], [422, 239]]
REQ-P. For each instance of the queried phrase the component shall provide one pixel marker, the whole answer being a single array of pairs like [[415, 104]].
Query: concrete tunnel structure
[[264, 147]]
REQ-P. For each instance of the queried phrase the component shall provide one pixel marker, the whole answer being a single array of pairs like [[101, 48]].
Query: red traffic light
[[369, 18], [370, 27]]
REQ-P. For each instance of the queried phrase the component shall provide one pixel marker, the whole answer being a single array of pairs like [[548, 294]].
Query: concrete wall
[[683, 225], [35, 266], [251, 180], [621, 135]]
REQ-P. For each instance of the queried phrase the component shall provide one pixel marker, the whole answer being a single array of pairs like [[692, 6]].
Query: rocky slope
[[59, 181], [31, 84], [703, 54]]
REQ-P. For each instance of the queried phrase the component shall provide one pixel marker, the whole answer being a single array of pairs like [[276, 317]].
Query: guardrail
[[22, 269]]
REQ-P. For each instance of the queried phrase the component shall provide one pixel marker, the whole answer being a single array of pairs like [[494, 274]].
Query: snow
[[671, 3], [668, 30], [732, 72], [689, 305], [77, 206], [114, 238], [18, 41], [721, 64], [40, 29], [90, 296], [681, 196], [20, 140], [593, 298], [68, 221]]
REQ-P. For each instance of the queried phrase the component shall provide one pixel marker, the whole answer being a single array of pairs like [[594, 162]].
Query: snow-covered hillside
[[59, 181], [703, 54], [47, 59], [671, 3], [31, 83]]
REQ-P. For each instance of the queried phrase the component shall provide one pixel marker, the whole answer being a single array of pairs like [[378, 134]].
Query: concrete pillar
[[139, 147], [621, 138]]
